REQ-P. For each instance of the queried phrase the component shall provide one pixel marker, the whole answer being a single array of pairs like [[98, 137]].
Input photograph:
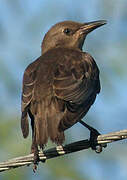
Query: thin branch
[[62, 150]]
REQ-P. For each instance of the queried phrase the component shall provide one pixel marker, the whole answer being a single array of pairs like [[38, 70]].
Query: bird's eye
[[67, 31]]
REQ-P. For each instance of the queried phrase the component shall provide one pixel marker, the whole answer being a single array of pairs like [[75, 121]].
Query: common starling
[[60, 86]]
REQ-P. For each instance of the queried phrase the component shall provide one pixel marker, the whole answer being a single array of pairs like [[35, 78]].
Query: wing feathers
[[58, 93], [24, 124], [29, 80], [75, 84]]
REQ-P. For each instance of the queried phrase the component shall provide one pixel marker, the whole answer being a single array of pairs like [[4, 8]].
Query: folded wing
[[29, 80], [77, 82]]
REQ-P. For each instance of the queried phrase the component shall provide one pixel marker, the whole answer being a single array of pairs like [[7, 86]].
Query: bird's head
[[68, 34]]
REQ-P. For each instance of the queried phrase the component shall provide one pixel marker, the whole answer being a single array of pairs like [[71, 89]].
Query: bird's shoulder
[[65, 60]]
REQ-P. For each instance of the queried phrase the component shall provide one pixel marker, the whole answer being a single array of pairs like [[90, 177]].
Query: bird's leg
[[34, 149], [93, 137]]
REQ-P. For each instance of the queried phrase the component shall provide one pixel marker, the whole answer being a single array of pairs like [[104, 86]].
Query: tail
[[40, 125], [47, 121], [24, 124], [56, 112]]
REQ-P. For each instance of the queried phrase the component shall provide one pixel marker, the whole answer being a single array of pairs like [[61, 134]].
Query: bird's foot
[[93, 141], [93, 138], [36, 159], [34, 168]]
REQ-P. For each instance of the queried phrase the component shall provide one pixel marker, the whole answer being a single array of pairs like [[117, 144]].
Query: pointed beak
[[90, 26]]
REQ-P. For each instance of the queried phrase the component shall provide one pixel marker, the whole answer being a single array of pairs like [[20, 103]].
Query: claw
[[99, 149], [93, 140], [35, 158], [34, 168]]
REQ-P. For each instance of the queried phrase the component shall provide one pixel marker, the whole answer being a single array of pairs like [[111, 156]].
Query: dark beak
[[90, 26]]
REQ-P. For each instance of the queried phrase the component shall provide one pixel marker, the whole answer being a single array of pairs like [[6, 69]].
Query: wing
[[29, 80], [77, 81]]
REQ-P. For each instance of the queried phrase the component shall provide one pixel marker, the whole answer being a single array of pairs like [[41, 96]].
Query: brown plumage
[[60, 86]]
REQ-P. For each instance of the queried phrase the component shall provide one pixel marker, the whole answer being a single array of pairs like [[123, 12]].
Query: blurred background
[[22, 28]]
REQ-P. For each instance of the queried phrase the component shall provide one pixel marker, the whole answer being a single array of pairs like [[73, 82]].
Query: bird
[[60, 86]]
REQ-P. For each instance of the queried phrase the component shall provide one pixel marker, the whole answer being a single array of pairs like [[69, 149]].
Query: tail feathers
[[24, 124], [41, 133], [56, 112], [54, 133], [59, 138], [47, 119]]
